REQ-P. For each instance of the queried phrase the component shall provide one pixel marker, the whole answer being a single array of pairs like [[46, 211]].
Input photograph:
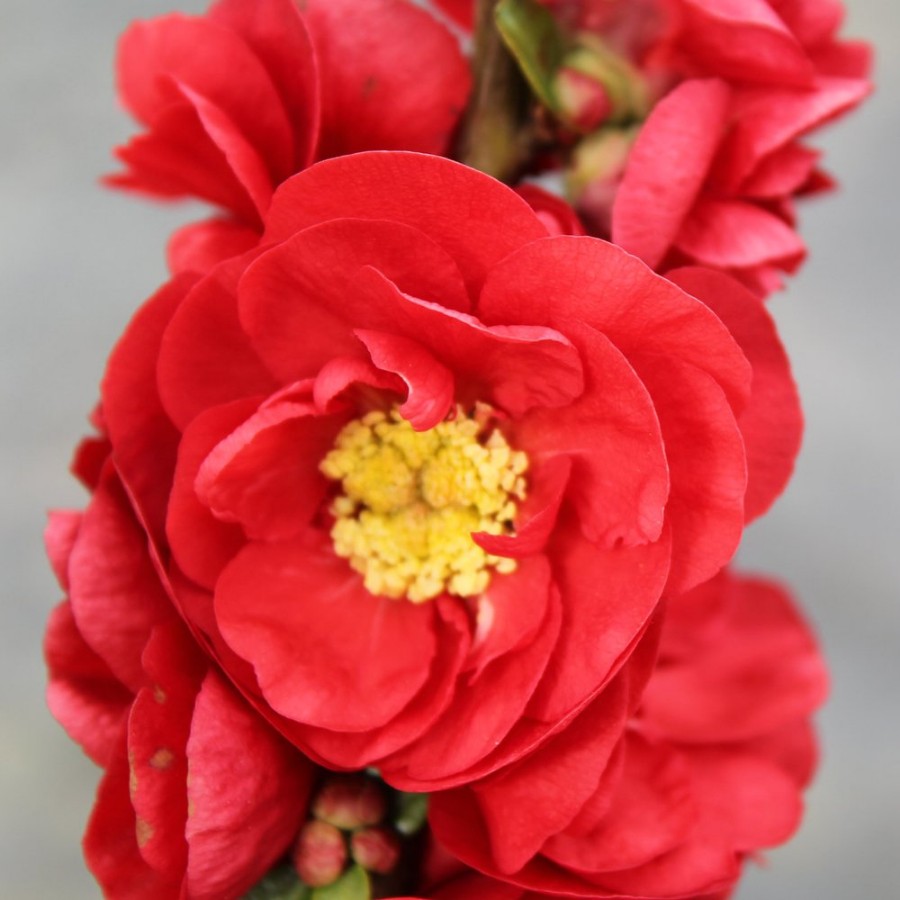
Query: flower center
[[411, 500]]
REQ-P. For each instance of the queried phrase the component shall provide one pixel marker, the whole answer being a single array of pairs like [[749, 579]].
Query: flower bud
[[320, 854], [350, 802], [375, 849], [583, 101]]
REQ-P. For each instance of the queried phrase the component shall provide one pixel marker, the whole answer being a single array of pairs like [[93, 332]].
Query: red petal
[[201, 246], [488, 703], [514, 367], [620, 481], [277, 34], [59, 539], [772, 423], [205, 358], [731, 234], [560, 280], [286, 607], [608, 597], [652, 811], [536, 519], [751, 802], [474, 218], [265, 474], [300, 301], [112, 839], [767, 120], [248, 167], [343, 382], [368, 100], [201, 543], [355, 750], [743, 40], [553, 783], [757, 672], [179, 159], [245, 780], [145, 441], [667, 166], [204, 56], [157, 733], [430, 385], [115, 591], [707, 468], [83, 694], [784, 171]]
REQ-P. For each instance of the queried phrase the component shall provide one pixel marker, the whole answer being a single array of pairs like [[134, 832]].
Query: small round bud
[[375, 849], [320, 854], [350, 802], [583, 101]]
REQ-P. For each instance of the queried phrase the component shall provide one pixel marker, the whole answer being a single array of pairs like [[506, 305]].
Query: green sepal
[[532, 35], [281, 883], [411, 813], [352, 885]]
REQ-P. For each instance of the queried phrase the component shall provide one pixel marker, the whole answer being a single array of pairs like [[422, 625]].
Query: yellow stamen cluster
[[411, 500]]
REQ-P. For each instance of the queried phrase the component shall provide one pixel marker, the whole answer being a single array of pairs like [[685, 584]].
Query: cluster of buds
[[354, 824]]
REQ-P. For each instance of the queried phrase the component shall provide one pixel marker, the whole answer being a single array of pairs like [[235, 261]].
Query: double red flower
[[397, 281], [401, 470]]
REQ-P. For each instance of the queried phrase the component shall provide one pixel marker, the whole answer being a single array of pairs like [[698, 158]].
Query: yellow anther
[[412, 499]]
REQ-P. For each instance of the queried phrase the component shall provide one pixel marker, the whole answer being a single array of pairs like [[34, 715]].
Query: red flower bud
[[350, 802], [583, 100], [375, 849], [320, 854]]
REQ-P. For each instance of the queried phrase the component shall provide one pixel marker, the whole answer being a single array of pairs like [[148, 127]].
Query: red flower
[[708, 172], [277, 85], [312, 433], [708, 773], [189, 766]]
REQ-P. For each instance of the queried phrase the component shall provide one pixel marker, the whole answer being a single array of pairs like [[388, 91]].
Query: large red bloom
[[708, 773], [235, 101], [200, 795], [420, 291]]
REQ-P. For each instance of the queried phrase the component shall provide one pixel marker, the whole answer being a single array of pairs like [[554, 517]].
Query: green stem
[[497, 135]]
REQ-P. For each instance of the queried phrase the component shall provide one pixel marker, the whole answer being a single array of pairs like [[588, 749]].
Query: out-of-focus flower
[[420, 473], [701, 157], [708, 773], [235, 101], [200, 796]]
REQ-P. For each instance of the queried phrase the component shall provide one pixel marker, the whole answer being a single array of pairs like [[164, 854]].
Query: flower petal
[[457, 207], [772, 422], [370, 102], [667, 166], [286, 607]]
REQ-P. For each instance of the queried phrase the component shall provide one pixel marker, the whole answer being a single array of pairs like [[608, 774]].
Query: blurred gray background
[[76, 260]]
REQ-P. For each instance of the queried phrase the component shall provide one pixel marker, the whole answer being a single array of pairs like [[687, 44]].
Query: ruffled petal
[[285, 608], [245, 780], [667, 167], [369, 101], [772, 422], [457, 207], [205, 358]]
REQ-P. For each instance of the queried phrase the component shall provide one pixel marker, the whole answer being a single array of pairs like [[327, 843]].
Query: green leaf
[[532, 35], [352, 885], [412, 811], [280, 884]]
